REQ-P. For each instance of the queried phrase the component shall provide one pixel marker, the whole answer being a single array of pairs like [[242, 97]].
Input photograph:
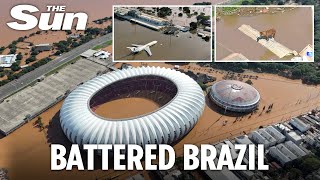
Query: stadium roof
[[236, 93], [166, 125]]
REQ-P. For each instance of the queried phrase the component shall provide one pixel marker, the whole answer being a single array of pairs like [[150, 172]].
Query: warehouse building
[[298, 124], [276, 134]]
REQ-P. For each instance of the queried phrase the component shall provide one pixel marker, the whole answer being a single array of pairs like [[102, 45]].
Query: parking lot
[[31, 101]]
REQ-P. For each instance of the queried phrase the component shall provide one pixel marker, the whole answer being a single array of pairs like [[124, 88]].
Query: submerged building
[[235, 96], [135, 15]]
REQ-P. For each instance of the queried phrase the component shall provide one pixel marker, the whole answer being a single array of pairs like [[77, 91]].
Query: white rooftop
[[7, 60]]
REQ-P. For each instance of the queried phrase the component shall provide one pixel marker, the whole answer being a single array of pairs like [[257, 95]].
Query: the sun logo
[[61, 20]]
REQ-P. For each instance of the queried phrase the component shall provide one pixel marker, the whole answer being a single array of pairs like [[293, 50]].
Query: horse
[[270, 33]]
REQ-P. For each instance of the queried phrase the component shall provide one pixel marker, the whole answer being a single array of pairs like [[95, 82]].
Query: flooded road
[[185, 47], [294, 30]]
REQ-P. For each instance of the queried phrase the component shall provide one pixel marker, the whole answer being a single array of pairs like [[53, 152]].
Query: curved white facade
[[166, 125]]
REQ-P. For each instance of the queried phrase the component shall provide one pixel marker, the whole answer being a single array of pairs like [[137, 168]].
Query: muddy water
[[95, 9], [167, 48], [26, 152], [294, 30], [130, 107]]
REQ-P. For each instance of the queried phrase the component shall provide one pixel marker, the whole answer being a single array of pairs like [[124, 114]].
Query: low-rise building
[[276, 134], [286, 152], [294, 137], [295, 149], [265, 134], [223, 174], [243, 140], [136, 177], [259, 139], [298, 124], [42, 47], [7, 60], [278, 155], [89, 53]]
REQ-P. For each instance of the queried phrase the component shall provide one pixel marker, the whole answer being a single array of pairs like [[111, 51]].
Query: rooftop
[[7, 60]]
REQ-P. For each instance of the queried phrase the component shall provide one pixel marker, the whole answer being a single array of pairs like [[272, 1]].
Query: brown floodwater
[[26, 152], [167, 48], [130, 107], [94, 8], [294, 30]]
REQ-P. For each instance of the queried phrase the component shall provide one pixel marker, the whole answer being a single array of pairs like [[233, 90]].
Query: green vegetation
[[203, 86], [105, 44], [2, 49], [202, 18], [35, 65], [249, 82], [229, 9], [244, 2], [193, 26], [186, 10], [202, 3], [164, 11], [300, 168]]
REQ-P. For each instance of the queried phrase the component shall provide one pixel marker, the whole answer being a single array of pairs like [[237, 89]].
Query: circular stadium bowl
[[180, 98], [235, 96]]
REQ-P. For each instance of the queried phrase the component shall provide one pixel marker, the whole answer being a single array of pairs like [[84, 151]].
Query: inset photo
[[264, 33], [162, 33]]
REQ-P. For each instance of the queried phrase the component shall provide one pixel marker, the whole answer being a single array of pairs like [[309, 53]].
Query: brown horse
[[271, 33]]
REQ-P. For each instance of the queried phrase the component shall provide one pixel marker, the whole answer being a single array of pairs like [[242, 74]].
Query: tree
[[203, 86], [164, 11], [186, 10], [30, 59], [296, 74], [57, 53], [15, 66], [193, 25], [180, 14], [245, 2], [249, 81], [68, 32], [20, 39], [295, 173], [12, 50], [309, 165], [19, 56]]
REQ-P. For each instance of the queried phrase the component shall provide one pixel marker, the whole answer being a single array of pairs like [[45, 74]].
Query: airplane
[[135, 48]]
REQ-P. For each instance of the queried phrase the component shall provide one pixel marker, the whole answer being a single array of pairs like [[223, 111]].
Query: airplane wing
[[147, 49], [135, 45]]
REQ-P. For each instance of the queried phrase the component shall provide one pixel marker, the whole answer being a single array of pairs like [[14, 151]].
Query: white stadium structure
[[235, 96], [181, 99]]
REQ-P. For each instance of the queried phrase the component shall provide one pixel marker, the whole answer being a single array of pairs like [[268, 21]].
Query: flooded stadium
[[294, 29]]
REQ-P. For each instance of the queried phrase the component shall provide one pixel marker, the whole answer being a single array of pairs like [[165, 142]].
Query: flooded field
[[294, 29], [130, 107]]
